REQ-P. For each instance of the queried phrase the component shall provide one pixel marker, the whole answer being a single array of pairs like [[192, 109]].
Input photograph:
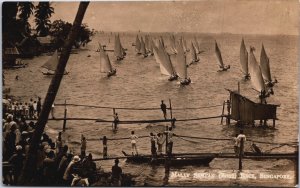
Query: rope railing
[[203, 138], [127, 108]]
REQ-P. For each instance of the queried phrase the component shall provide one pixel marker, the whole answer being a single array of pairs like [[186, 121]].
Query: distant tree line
[[16, 27]]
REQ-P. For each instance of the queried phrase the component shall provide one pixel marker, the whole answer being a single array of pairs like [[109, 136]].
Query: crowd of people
[[56, 165]]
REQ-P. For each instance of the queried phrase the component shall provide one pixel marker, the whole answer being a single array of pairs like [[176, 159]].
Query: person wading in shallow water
[[104, 142], [163, 109], [133, 138], [116, 120]]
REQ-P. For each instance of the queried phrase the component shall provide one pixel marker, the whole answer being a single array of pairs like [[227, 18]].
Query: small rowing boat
[[172, 160]]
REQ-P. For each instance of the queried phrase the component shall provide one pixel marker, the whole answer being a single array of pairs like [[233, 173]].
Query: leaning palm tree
[[42, 15], [29, 169]]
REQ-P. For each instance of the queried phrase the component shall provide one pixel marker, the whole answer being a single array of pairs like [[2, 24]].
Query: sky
[[203, 16]]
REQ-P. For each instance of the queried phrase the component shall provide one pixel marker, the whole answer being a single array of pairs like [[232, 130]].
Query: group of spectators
[[56, 165]]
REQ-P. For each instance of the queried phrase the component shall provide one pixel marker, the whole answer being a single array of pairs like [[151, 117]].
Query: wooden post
[[171, 114], [239, 87], [222, 112], [241, 154], [228, 113], [167, 129], [113, 123], [65, 117]]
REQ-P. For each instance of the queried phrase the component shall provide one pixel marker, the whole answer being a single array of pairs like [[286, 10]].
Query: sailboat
[[137, 45], [181, 68], [166, 66], [143, 48], [194, 56], [265, 68], [105, 64], [220, 60], [51, 65], [119, 51], [173, 44], [256, 76], [244, 60]]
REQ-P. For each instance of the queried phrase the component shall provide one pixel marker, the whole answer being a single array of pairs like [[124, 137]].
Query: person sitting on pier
[[153, 147], [133, 138], [164, 109], [116, 173]]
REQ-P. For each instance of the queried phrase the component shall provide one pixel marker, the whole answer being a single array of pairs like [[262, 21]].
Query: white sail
[[166, 67], [143, 48], [193, 53], [118, 51], [196, 45], [156, 54], [147, 44], [173, 44], [180, 67], [244, 58], [265, 65], [255, 72], [105, 64], [137, 44], [52, 63], [219, 56]]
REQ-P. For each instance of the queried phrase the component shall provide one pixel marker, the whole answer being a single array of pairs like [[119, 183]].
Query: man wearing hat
[[73, 168], [17, 161], [116, 172]]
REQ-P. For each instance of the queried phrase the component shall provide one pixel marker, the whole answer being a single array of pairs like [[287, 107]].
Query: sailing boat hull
[[52, 73], [224, 68], [185, 82], [173, 77], [112, 73]]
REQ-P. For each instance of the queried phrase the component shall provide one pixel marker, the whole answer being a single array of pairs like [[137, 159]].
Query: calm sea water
[[139, 83]]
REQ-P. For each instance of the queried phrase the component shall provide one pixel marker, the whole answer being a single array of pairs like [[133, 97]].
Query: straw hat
[[18, 147], [76, 159]]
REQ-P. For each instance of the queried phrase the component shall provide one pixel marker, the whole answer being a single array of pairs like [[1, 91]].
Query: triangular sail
[[244, 58], [166, 67], [218, 54], [143, 48], [193, 52], [196, 45], [137, 44], [265, 65], [105, 65], [52, 63], [255, 72], [173, 44], [156, 54], [180, 67], [118, 48]]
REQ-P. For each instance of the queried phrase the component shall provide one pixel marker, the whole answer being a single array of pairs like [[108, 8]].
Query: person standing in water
[[133, 138], [163, 108]]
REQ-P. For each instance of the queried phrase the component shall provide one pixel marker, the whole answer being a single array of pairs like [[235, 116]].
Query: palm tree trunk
[[30, 164]]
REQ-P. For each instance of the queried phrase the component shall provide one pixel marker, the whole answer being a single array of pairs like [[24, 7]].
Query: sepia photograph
[[150, 93]]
